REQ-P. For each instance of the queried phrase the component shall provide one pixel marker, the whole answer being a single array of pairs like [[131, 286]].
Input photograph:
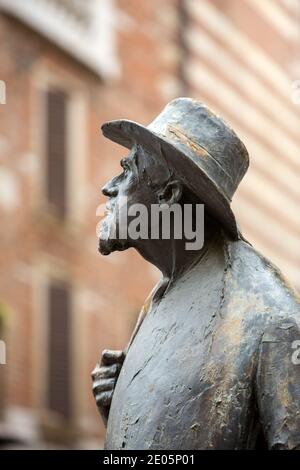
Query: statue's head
[[186, 155], [144, 181]]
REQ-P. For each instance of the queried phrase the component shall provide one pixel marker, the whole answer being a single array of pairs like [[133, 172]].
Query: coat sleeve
[[278, 385]]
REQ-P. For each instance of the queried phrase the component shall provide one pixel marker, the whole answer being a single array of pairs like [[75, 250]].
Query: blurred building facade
[[68, 66], [244, 60]]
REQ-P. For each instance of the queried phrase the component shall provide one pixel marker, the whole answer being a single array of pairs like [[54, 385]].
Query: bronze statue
[[213, 362]]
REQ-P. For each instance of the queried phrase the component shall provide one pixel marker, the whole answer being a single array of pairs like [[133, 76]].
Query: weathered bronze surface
[[212, 362]]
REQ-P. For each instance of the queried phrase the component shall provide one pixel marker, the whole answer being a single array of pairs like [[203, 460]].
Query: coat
[[215, 363]]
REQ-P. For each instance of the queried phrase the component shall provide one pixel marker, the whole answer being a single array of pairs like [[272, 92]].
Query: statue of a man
[[214, 361]]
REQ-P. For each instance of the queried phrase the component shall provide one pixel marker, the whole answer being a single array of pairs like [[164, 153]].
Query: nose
[[110, 189]]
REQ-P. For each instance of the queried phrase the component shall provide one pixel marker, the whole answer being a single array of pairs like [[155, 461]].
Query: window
[[59, 352], [56, 151]]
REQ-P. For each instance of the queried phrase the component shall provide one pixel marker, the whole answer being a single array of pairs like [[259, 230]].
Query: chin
[[107, 246], [108, 243]]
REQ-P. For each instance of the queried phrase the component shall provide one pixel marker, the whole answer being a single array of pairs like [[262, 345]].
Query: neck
[[171, 256]]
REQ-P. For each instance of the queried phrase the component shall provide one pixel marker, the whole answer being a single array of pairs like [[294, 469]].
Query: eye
[[125, 166]]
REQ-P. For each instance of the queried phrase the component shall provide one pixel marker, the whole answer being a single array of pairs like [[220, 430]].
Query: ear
[[171, 193]]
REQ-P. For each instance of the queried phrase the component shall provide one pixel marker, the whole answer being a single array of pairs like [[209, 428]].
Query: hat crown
[[207, 139]]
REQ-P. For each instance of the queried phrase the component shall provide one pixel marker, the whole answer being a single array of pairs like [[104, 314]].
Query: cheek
[[128, 194], [129, 187], [137, 190]]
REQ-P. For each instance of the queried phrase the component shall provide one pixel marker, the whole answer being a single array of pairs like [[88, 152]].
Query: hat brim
[[127, 133]]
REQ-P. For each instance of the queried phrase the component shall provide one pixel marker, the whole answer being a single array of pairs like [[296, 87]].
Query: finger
[[95, 372], [106, 372], [112, 357], [103, 386], [104, 399]]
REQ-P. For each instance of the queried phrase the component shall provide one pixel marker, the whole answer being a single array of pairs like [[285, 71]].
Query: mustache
[[113, 204]]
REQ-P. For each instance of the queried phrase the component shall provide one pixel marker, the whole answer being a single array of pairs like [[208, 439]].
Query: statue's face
[[131, 186]]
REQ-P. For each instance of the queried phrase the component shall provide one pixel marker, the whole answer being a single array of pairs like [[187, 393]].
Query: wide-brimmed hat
[[202, 149]]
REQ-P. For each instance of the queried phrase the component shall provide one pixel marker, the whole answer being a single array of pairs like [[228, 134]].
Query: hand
[[104, 378]]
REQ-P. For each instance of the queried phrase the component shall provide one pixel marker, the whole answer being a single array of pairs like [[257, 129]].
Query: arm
[[278, 385]]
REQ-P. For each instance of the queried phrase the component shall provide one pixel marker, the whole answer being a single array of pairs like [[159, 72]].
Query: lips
[[109, 208]]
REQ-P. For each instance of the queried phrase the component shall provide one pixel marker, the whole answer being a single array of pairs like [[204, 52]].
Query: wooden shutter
[[56, 150], [59, 335]]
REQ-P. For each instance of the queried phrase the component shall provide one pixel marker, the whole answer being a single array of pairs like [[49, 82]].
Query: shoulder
[[249, 261], [255, 273], [257, 287]]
